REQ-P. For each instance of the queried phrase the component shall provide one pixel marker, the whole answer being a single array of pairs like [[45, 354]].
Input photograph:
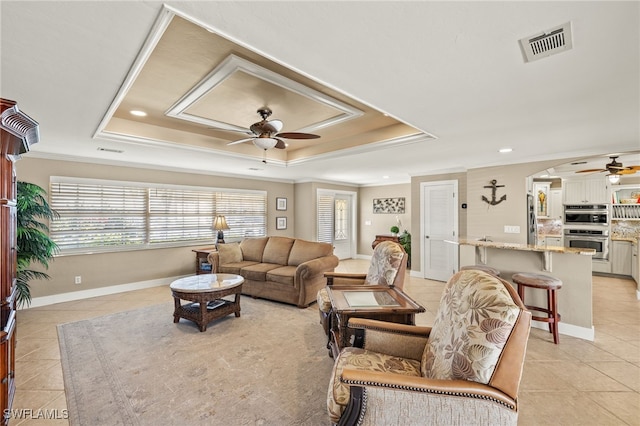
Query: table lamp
[[220, 224]]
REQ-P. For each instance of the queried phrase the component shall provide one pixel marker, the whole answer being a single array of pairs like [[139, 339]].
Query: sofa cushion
[[277, 250], [258, 271], [474, 321], [303, 251], [283, 275], [234, 268], [229, 253], [252, 248]]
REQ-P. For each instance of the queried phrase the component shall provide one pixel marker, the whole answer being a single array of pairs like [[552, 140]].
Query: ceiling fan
[[265, 134], [615, 169]]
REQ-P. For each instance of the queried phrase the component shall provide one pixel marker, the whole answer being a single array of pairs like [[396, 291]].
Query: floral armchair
[[465, 369], [388, 267]]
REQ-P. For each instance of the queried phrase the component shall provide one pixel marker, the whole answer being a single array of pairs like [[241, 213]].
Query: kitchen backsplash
[[625, 228], [549, 227]]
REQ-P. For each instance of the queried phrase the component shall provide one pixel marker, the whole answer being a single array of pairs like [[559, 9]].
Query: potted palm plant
[[33, 242]]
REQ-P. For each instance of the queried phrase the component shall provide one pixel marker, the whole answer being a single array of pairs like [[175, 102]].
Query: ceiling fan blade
[[240, 141], [591, 170], [297, 135], [281, 144], [617, 167], [626, 172]]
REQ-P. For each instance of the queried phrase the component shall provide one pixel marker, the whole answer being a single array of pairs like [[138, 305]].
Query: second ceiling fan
[[265, 134], [614, 168]]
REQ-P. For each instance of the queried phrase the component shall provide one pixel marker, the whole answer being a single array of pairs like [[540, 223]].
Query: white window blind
[[325, 218], [107, 215]]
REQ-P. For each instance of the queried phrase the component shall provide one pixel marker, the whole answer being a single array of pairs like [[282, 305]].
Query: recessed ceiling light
[[503, 150], [385, 177], [138, 113]]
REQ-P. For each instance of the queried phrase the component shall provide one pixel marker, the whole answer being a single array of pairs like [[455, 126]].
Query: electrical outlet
[[511, 229], [78, 279]]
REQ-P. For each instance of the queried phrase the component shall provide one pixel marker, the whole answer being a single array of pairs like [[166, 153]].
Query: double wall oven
[[587, 226]]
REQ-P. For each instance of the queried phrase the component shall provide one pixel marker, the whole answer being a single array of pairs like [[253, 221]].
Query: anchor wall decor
[[494, 187]]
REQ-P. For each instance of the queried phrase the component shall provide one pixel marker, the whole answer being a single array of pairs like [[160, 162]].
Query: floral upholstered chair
[[465, 369], [388, 267]]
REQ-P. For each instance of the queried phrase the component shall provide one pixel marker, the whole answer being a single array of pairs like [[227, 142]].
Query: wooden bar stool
[[545, 282], [484, 268]]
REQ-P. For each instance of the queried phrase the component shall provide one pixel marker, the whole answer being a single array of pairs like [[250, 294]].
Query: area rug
[[270, 366]]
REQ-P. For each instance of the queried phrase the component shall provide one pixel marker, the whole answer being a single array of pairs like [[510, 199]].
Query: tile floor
[[576, 382]]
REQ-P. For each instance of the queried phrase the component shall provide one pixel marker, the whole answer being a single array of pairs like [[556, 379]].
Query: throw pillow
[[229, 253]]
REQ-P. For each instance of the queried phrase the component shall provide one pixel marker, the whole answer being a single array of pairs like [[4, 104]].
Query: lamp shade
[[614, 178], [220, 223]]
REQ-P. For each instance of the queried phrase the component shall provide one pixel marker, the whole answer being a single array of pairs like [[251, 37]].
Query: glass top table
[[363, 301]]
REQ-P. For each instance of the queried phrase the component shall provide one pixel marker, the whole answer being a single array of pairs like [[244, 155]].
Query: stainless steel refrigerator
[[532, 225]]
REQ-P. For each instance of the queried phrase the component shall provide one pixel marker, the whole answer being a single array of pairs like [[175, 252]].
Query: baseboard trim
[[569, 329], [101, 291]]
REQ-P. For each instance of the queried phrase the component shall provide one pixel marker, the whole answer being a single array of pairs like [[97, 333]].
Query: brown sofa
[[284, 269]]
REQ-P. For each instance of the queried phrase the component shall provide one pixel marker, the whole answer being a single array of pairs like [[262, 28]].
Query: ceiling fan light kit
[[265, 134]]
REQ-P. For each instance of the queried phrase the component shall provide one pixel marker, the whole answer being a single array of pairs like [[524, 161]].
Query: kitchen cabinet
[[621, 255], [555, 204], [634, 261], [550, 241], [624, 202], [585, 191]]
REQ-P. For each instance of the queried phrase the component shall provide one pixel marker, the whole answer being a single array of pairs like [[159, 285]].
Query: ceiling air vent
[[547, 43]]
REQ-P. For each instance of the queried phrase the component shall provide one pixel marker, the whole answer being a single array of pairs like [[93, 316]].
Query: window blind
[[110, 216], [325, 218]]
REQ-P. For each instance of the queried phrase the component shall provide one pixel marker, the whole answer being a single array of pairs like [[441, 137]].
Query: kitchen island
[[572, 266]]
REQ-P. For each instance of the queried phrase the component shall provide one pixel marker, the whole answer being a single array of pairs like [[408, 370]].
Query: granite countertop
[[634, 240], [522, 247]]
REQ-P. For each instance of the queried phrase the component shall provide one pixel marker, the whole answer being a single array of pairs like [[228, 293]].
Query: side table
[[374, 302], [202, 263]]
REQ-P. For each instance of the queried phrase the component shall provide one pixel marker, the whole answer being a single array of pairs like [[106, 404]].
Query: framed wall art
[[281, 204], [389, 205], [281, 223]]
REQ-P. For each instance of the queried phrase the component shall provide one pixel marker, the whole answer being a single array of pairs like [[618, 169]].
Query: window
[[110, 215]]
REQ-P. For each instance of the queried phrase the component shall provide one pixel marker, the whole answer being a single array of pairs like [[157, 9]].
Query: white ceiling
[[452, 69]]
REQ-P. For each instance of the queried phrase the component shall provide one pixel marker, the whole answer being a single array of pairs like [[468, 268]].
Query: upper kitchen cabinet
[[586, 191], [625, 202]]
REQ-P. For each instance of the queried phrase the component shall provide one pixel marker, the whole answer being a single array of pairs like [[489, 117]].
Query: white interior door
[[439, 218]]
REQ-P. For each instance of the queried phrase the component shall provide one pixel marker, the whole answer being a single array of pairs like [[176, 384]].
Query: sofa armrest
[[214, 260], [453, 398], [341, 278], [315, 267], [402, 340]]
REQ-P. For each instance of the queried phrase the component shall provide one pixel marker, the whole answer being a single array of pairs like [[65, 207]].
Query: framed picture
[[389, 205], [281, 223], [541, 198], [281, 204]]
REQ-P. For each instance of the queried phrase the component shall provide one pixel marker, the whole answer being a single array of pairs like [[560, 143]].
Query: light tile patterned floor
[[576, 382]]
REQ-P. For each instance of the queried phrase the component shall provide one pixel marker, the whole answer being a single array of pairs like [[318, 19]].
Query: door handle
[[426, 236]]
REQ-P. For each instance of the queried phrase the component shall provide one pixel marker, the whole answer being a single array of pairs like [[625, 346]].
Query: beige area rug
[[268, 367]]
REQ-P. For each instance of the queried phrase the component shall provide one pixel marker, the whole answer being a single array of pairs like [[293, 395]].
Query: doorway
[[336, 218], [438, 222]]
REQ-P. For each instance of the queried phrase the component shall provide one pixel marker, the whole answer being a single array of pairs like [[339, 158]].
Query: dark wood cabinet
[[381, 238], [17, 132]]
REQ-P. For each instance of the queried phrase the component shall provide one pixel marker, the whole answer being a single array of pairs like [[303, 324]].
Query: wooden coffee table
[[205, 293], [374, 302]]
